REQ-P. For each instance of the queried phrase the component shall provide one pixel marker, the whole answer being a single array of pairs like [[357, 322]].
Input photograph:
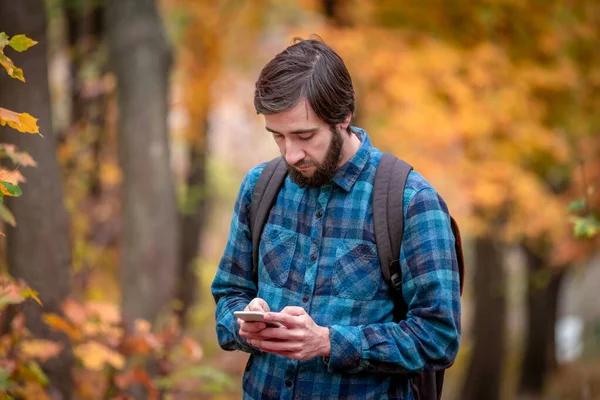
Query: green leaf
[[585, 227], [21, 43], [576, 205], [7, 216], [3, 40], [10, 189], [37, 373]]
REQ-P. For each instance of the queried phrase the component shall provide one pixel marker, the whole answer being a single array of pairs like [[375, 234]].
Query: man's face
[[311, 147]]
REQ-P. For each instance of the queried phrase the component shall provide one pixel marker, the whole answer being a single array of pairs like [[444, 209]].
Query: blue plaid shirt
[[318, 251]]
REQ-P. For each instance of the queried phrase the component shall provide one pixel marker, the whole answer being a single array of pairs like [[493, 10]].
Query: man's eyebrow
[[296, 132]]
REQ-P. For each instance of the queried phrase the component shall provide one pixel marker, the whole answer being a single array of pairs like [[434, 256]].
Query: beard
[[325, 170]]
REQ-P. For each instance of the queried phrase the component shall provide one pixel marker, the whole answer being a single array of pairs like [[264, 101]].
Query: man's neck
[[349, 149]]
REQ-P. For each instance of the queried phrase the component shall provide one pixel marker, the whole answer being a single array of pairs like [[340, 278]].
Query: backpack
[[388, 222]]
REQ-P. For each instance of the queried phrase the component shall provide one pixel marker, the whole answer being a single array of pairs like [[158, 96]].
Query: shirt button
[[319, 214], [288, 383], [313, 257], [305, 299]]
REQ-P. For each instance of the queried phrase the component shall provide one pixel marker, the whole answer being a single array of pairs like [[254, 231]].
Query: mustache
[[303, 163]]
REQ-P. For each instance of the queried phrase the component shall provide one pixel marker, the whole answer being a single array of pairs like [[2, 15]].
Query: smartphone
[[255, 316]]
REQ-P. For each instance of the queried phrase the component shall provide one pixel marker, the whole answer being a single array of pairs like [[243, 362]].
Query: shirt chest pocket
[[357, 272], [276, 250]]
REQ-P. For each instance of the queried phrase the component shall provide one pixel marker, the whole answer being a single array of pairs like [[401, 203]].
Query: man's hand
[[256, 304], [300, 338]]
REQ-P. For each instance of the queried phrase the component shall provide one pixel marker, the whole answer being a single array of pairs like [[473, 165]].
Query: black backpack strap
[[264, 196], [388, 222]]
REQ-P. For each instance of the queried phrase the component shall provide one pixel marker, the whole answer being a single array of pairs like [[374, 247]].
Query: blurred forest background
[[147, 129]]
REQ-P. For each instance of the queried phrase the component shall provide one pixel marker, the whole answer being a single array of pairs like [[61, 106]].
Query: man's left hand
[[300, 338]]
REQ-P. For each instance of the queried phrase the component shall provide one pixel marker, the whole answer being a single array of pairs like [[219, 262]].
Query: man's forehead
[[300, 119]]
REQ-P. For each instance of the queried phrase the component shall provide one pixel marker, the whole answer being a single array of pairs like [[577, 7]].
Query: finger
[[290, 321], [278, 334], [273, 346], [251, 326], [258, 304]]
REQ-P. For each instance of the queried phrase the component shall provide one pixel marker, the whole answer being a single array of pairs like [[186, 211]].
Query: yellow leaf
[[60, 324], [95, 356], [21, 43], [40, 349], [9, 66], [30, 293], [22, 122]]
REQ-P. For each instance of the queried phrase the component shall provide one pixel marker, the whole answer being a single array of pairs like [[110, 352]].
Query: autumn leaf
[[60, 324], [94, 356], [23, 122], [6, 62], [13, 176], [21, 43], [30, 293], [10, 294], [75, 311], [9, 189], [40, 348], [17, 157], [105, 312]]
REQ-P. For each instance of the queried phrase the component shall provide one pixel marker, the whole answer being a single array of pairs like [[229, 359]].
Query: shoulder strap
[[388, 221], [264, 195]]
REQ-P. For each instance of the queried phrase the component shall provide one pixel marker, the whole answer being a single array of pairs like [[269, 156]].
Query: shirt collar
[[348, 174]]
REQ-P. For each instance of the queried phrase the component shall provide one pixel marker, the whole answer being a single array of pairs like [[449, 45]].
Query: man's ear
[[344, 125]]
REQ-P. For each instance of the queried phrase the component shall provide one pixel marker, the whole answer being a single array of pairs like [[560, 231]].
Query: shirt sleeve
[[233, 287], [428, 339]]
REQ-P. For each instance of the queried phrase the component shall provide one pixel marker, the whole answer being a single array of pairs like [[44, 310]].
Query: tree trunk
[[38, 248], [543, 287], [484, 375], [141, 58]]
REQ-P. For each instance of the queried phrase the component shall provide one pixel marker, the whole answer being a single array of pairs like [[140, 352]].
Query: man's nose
[[293, 153]]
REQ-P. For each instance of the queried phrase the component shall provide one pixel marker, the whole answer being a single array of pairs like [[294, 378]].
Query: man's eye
[[306, 137]]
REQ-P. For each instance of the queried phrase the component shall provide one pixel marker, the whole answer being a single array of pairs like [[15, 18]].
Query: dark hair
[[307, 69]]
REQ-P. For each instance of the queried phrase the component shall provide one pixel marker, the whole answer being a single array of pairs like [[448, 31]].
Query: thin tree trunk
[[141, 58], [192, 226], [85, 32], [38, 248], [554, 290], [484, 375], [543, 287]]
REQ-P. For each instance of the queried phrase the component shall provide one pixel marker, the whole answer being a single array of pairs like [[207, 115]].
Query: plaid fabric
[[318, 252]]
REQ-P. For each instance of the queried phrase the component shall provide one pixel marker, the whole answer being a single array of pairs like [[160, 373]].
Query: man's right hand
[[256, 304]]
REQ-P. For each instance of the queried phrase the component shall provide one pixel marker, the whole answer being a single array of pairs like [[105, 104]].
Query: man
[[318, 269]]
